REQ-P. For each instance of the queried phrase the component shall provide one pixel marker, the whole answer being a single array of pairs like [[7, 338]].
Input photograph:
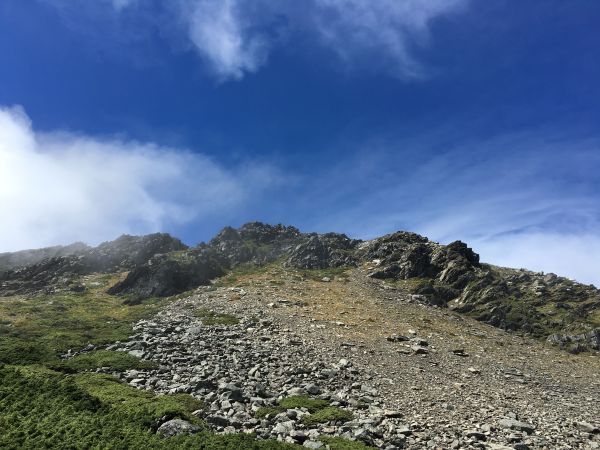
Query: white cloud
[[58, 188], [219, 31], [228, 33], [235, 37], [121, 4], [572, 255], [386, 29]]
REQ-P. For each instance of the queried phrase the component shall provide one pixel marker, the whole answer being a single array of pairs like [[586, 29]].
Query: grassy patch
[[120, 361], [319, 274], [40, 408], [182, 256], [312, 405], [329, 414], [131, 401], [38, 329], [265, 411], [212, 318], [236, 276], [320, 411], [301, 401], [338, 443]]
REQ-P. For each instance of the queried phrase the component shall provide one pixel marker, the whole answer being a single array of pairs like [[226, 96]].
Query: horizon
[[456, 120]]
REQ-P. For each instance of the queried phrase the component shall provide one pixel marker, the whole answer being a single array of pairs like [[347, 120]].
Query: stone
[[476, 434], [218, 420], [397, 338], [313, 389], [521, 446], [418, 350], [514, 424], [284, 427], [176, 427], [587, 427], [296, 391]]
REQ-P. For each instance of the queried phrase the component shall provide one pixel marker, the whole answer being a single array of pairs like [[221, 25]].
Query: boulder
[[176, 427]]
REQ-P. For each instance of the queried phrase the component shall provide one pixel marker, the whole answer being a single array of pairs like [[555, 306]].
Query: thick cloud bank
[[59, 188]]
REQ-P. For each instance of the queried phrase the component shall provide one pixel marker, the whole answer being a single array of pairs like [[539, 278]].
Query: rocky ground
[[392, 372]]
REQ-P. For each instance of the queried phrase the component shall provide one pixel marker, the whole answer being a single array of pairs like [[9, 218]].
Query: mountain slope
[[298, 339], [542, 305], [395, 372]]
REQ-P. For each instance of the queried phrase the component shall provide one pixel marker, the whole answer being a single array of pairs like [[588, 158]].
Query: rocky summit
[[267, 337]]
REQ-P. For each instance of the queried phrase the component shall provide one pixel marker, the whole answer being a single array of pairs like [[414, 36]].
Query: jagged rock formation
[[170, 274], [441, 275], [405, 255], [577, 343], [252, 244], [322, 251], [128, 252], [255, 243], [10, 261], [61, 272]]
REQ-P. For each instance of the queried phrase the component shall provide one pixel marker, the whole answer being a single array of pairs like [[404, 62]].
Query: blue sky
[[458, 119]]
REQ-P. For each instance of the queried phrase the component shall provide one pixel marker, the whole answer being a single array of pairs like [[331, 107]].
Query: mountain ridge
[[546, 306]]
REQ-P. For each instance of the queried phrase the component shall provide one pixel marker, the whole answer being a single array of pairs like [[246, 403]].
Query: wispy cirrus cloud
[[356, 30], [235, 37], [62, 187], [222, 34], [520, 200]]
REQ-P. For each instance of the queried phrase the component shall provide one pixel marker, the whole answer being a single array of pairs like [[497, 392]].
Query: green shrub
[[320, 410], [319, 274], [233, 277], [120, 361], [301, 401], [38, 329], [212, 318], [331, 413], [23, 351], [40, 408], [141, 403], [265, 411]]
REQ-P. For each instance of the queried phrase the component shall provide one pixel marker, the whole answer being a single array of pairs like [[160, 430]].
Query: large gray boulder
[[176, 427]]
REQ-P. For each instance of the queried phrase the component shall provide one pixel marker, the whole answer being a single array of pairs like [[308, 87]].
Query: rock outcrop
[[14, 260], [170, 274], [61, 272], [322, 251], [577, 343], [405, 255], [255, 243], [128, 252]]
